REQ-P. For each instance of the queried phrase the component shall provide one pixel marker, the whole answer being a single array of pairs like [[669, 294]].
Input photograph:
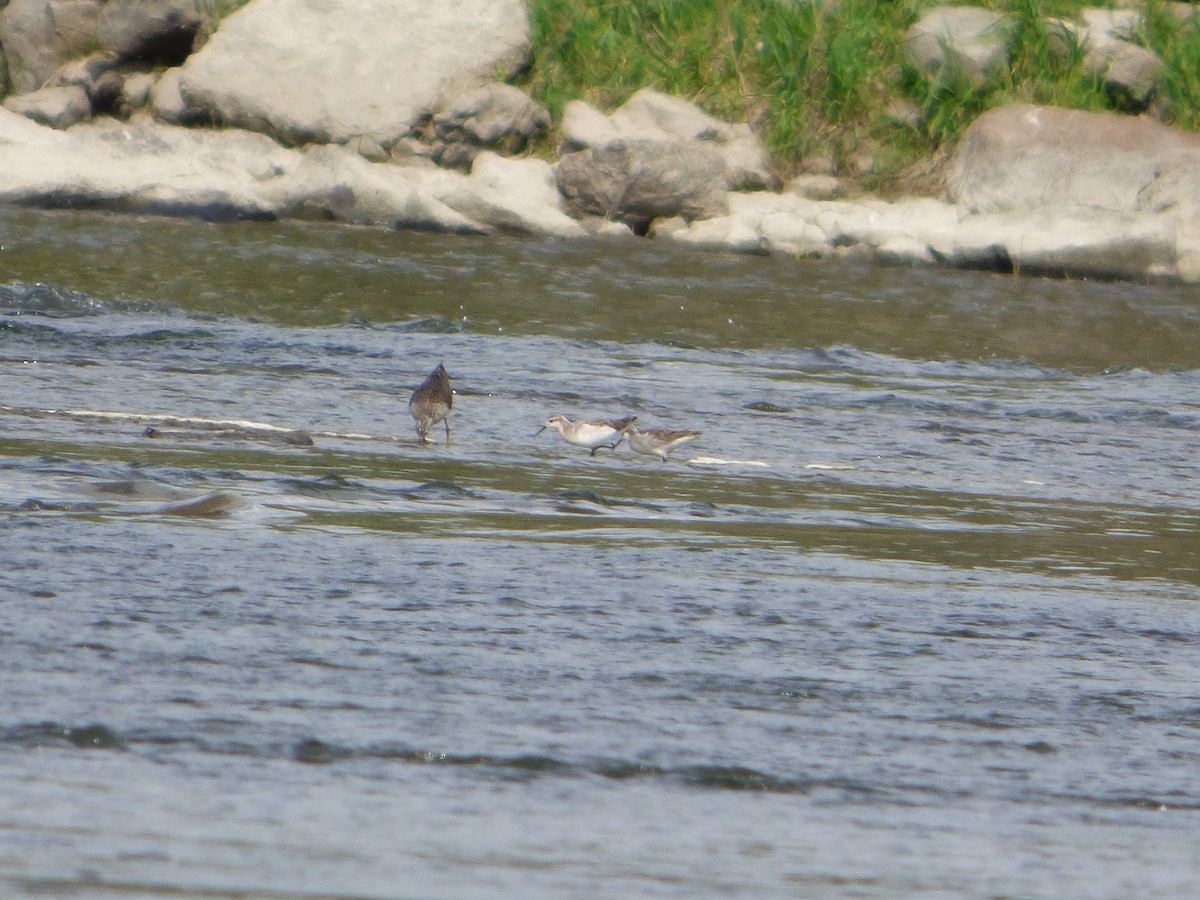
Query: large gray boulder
[[1064, 191], [1022, 157], [638, 181], [321, 71]]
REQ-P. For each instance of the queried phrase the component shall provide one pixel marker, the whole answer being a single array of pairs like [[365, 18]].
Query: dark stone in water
[[1041, 747], [763, 406], [97, 737], [317, 752]]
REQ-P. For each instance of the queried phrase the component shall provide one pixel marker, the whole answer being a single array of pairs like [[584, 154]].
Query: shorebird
[[431, 402], [657, 441], [590, 433]]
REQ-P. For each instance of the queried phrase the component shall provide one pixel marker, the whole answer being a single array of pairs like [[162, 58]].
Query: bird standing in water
[[590, 433], [431, 402], [657, 441]]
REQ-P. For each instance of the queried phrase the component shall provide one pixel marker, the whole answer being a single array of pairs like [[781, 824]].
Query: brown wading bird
[[656, 441], [431, 402]]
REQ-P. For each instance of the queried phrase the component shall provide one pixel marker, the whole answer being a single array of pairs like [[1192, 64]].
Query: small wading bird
[[590, 433], [431, 402], [657, 441]]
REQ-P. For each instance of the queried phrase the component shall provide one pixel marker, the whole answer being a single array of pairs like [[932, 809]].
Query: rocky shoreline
[[328, 112]]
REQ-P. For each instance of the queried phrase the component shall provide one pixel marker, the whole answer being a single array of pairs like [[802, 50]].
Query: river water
[[916, 616]]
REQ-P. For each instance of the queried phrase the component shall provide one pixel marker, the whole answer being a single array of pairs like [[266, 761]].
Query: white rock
[[1187, 251], [793, 236], [653, 117], [968, 39], [514, 194], [817, 187], [746, 160], [904, 250], [57, 106], [585, 126], [923, 220], [137, 167], [166, 102], [735, 233], [330, 70], [136, 90], [334, 182], [18, 132], [598, 226], [767, 202], [1093, 243], [1117, 24]]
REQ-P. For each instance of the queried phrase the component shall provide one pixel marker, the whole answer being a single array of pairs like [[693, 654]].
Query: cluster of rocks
[[65, 62], [295, 109]]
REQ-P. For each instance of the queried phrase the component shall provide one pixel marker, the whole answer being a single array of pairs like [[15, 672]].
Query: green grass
[[809, 78], [824, 79], [1178, 46]]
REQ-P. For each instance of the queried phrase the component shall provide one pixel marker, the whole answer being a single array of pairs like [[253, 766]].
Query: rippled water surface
[[915, 616]]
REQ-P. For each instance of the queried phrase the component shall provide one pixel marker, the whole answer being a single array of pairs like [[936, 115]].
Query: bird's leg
[[446, 422]]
